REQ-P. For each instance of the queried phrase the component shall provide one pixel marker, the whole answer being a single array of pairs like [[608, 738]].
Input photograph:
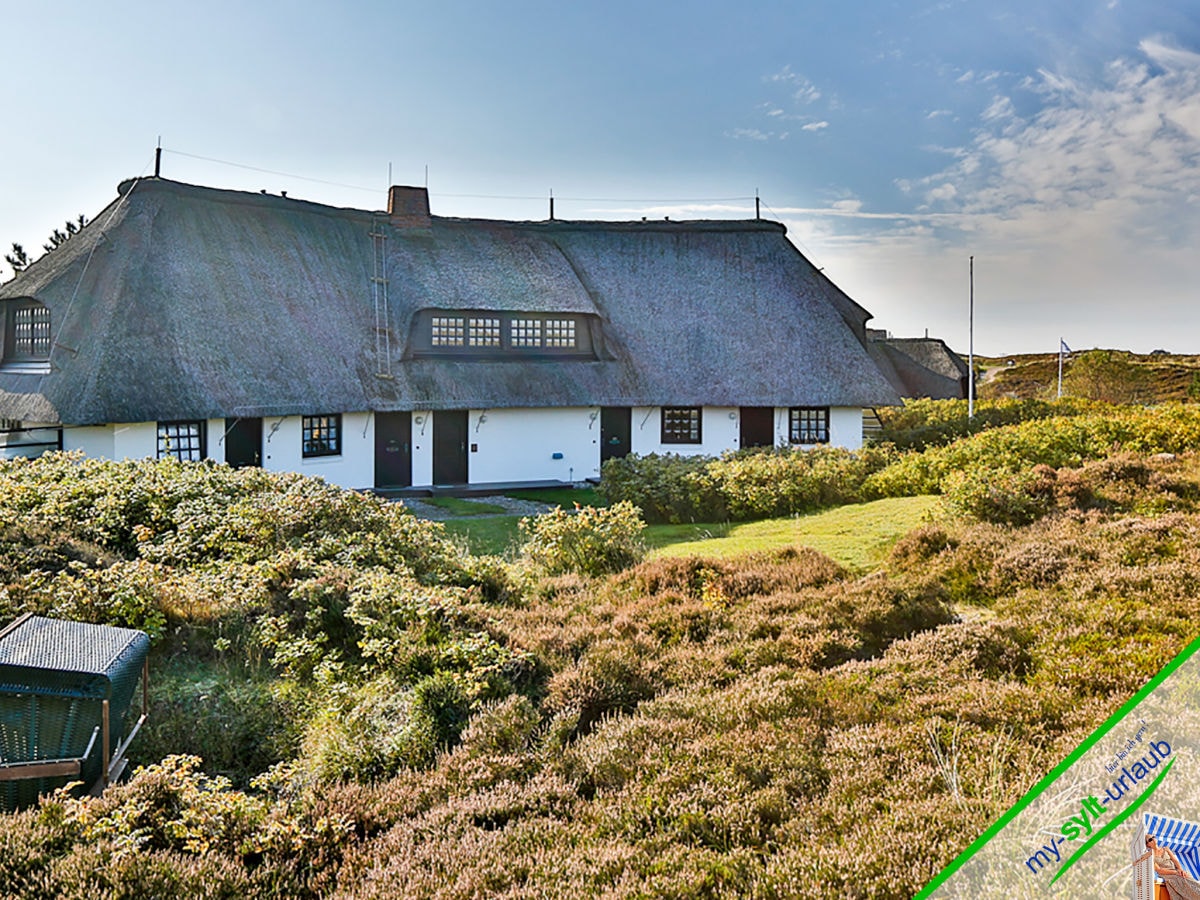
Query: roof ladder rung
[[383, 339]]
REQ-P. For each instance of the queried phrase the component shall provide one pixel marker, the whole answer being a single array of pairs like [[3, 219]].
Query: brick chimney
[[408, 206]]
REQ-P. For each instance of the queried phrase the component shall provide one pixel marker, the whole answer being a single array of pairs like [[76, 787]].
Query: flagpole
[[971, 348], [1060, 355]]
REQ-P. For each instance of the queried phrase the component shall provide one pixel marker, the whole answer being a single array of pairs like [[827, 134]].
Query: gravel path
[[512, 507]]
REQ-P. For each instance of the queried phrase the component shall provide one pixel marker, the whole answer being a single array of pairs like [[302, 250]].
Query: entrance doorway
[[450, 446]]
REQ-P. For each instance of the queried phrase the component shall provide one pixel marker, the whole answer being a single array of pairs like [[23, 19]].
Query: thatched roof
[[181, 302], [923, 367]]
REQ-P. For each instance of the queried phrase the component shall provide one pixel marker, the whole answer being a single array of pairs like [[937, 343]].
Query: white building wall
[[422, 449], [353, 468], [845, 427], [719, 431], [95, 441], [533, 444], [135, 440]]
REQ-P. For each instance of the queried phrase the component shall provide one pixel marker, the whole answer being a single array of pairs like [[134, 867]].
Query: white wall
[[94, 440], [135, 440], [719, 431], [520, 444], [422, 449], [353, 468], [845, 427]]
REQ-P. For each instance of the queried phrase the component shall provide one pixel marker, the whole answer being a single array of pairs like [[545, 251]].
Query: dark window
[[321, 435], [27, 331], [808, 425], [681, 425], [182, 440]]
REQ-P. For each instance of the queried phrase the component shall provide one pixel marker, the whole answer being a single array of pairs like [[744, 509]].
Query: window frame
[[671, 433], [196, 443], [799, 430], [12, 310], [502, 334], [328, 435]]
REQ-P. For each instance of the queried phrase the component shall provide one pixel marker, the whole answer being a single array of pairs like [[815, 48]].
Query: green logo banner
[[1080, 832]]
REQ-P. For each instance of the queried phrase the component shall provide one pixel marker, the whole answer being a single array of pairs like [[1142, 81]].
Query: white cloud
[[749, 134], [802, 90], [1081, 211], [815, 126], [942, 192]]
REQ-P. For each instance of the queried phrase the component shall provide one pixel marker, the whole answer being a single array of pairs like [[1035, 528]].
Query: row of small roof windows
[[489, 332]]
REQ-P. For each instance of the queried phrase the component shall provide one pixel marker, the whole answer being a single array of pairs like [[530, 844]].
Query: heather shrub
[[611, 677], [993, 649], [589, 541], [1006, 498]]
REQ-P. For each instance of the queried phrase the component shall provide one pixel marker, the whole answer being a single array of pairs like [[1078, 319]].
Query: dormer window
[[501, 335], [26, 331]]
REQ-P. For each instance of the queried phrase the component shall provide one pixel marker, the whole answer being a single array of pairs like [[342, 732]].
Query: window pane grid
[[321, 435], [560, 333], [484, 332], [31, 331], [809, 425], [182, 440], [526, 333], [681, 425], [447, 331]]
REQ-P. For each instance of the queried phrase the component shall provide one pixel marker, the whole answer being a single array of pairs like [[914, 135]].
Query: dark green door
[[450, 446], [243, 442], [615, 430], [393, 449]]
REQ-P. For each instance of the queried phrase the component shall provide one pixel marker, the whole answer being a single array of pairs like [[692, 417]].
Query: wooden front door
[[615, 430], [393, 449], [243, 442], [450, 446], [757, 426]]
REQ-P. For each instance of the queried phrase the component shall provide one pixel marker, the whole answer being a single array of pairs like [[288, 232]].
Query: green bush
[[667, 488], [588, 541]]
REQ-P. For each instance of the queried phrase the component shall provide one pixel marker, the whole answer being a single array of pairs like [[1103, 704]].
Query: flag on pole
[[1063, 348]]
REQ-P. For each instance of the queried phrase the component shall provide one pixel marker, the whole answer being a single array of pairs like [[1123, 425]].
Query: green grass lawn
[[567, 497], [485, 536], [856, 536], [457, 506]]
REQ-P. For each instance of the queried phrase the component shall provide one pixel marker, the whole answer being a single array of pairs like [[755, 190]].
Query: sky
[[1057, 143]]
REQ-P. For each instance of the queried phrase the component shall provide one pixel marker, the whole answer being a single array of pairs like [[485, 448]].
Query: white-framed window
[[525, 333], [184, 440], [483, 331], [447, 331], [808, 425], [321, 435], [560, 333], [681, 424]]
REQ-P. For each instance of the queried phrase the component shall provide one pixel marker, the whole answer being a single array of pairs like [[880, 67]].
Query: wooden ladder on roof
[[379, 292]]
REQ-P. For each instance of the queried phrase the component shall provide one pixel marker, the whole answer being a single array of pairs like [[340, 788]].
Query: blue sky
[[1057, 143]]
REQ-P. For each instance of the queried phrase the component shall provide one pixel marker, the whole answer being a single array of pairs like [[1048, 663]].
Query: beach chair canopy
[[55, 678]]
